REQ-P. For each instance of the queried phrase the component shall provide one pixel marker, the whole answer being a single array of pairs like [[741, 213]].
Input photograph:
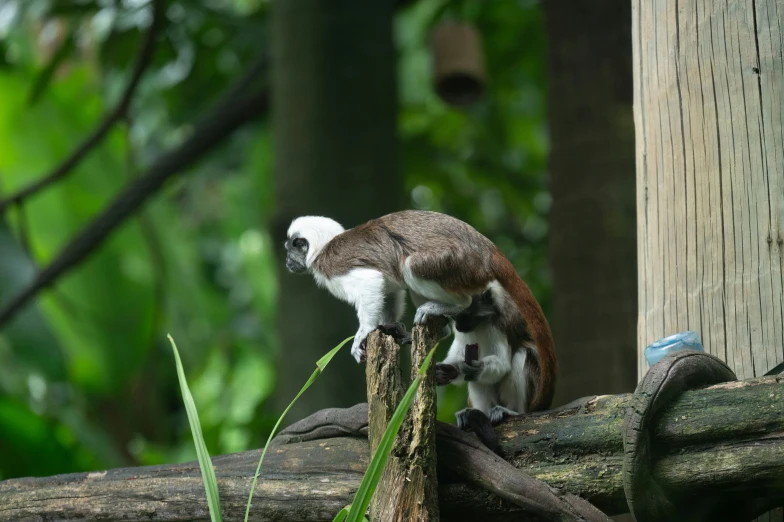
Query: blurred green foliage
[[86, 377]]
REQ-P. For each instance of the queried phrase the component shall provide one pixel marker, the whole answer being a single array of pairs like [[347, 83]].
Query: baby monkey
[[507, 376]]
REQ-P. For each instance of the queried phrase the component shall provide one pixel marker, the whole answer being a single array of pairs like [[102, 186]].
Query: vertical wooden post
[[408, 490], [709, 121]]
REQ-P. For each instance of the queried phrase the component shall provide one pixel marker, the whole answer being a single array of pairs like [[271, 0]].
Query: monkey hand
[[359, 347], [446, 373], [471, 370]]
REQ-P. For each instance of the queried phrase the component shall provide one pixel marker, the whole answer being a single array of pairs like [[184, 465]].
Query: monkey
[[440, 260], [512, 375]]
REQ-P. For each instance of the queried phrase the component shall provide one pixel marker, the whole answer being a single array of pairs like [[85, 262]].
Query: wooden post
[[708, 84], [408, 489], [709, 121]]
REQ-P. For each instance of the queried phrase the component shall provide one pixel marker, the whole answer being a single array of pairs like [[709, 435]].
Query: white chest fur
[[356, 285], [491, 341]]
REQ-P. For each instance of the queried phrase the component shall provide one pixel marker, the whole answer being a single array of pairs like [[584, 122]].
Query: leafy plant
[[320, 365], [207, 471]]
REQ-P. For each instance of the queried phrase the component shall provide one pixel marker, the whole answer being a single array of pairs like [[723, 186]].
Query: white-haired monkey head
[[306, 237]]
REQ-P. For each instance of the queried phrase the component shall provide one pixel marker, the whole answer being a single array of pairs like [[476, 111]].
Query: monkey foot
[[446, 373], [431, 308], [397, 331], [499, 413]]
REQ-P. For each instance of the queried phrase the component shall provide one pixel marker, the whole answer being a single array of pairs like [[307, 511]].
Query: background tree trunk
[[708, 84], [591, 164], [334, 105]]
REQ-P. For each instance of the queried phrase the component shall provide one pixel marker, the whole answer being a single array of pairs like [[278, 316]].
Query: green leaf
[[205, 463], [373, 474], [342, 515], [320, 365]]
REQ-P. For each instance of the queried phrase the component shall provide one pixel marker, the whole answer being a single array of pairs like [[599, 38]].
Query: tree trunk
[[591, 165], [708, 83], [334, 106]]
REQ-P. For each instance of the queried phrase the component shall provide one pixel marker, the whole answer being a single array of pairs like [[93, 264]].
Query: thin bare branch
[[247, 100]]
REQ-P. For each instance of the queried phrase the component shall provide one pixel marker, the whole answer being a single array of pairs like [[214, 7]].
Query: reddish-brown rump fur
[[539, 330]]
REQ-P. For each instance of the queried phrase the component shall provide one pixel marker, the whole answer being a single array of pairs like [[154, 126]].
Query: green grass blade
[[320, 365], [342, 515], [205, 463], [373, 474]]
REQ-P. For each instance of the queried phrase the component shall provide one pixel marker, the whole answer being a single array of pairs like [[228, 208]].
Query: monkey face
[[481, 310], [296, 254]]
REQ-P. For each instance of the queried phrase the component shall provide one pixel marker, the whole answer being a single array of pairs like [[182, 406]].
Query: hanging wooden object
[[459, 64]]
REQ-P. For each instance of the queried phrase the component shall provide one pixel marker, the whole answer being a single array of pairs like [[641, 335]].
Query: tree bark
[[725, 440], [591, 166], [334, 110], [709, 118], [408, 489]]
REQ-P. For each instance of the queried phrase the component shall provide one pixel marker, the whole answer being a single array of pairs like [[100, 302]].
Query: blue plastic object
[[687, 340]]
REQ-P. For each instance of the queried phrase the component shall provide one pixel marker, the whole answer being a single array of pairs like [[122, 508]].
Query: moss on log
[[725, 437], [724, 440]]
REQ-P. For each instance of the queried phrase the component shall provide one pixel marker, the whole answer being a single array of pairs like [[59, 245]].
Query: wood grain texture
[[408, 489], [709, 120], [708, 84], [723, 440], [302, 482]]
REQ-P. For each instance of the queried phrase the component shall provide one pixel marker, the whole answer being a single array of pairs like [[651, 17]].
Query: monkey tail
[[538, 328], [480, 424]]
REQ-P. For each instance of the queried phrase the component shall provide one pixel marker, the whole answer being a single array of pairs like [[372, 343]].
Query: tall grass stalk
[[205, 463], [320, 365]]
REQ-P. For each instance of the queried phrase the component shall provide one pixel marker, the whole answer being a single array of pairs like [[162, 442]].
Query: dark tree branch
[[60, 172], [244, 102], [461, 455]]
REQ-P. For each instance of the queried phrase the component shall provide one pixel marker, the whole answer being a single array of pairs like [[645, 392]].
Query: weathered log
[[306, 481], [724, 440]]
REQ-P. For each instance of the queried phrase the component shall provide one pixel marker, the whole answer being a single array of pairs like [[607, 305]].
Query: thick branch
[[725, 440], [242, 104], [308, 481], [106, 124]]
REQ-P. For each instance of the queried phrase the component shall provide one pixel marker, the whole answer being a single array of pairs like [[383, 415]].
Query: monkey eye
[[299, 242]]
